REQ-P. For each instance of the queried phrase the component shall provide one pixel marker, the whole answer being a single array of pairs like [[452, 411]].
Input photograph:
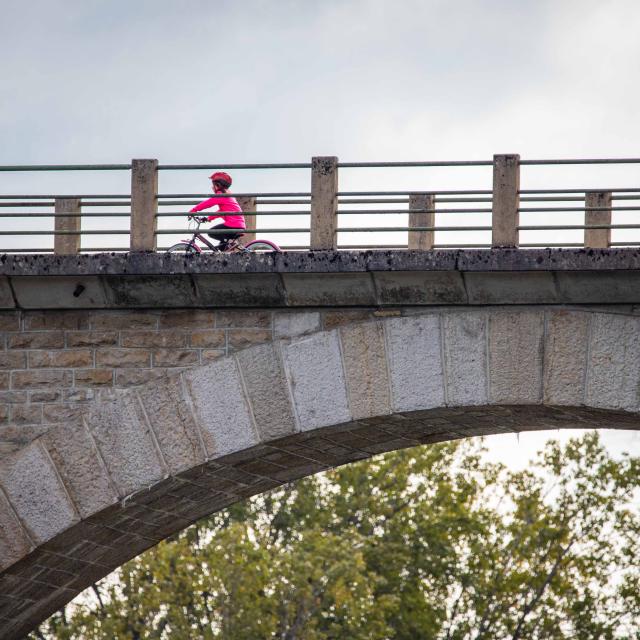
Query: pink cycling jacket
[[224, 205]]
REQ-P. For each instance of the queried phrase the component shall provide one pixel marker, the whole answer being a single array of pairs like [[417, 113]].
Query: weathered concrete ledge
[[321, 279]]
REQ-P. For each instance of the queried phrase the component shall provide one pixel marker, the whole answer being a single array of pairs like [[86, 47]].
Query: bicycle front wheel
[[262, 245], [183, 247]]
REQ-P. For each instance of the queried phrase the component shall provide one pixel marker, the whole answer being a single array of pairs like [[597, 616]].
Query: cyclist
[[228, 209]]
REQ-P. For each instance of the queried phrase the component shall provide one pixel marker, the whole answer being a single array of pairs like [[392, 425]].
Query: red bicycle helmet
[[223, 178]]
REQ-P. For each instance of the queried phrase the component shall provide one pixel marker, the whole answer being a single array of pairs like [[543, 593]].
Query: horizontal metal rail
[[581, 161], [66, 167], [389, 229]]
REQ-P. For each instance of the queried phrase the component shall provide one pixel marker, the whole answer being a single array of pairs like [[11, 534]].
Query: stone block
[[9, 321], [70, 292], [314, 368], [268, 391], [365, 366], [68, 413], [465, 354], [150, 291], [415, 362], [565, 357], [511, 288], [7, 300], [169, 414], [209, 355], [135, 377], [61, 359], [599, 287], [33, 487], [295, 323], [4, 379], [14, 542], [150, 339], [243, 338], [239, 290], [243, 319], [175, 357], [329, 289], [79, 395], [74, 453], [26, 414], [118, 358], [515, 357], [93, 377], [13, 360], [106, 320], [420, 287], [613, 370], [220, 407], [16, 397], [208, 338], [44, 396], [52, 320], [91, 338], [125, 441], [41, 379], [187, 319], [333, 319], [36, 340]]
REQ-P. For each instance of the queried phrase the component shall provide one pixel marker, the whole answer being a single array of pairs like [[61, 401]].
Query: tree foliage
[[431, 542]]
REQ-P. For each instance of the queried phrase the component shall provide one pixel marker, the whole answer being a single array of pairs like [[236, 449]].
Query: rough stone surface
[[415, 362], [565, 357], [515, 351], [465, 352], [613, 376], [314, 367], [33, 487], [221, 408], [74, 453], [365, 364], [172, 421], [267, 388], [125, 442], [14, 543]]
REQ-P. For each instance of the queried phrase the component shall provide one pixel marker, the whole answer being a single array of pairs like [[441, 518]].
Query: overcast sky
[[195, 81]]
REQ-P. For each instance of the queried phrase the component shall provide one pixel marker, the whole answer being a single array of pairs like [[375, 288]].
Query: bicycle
[[190, 246]]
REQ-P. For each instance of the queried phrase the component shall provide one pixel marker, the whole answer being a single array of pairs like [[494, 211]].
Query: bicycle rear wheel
[[262, 245], [183, 247]]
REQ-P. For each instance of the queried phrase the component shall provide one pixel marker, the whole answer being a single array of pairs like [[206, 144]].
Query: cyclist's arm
[[205, 204]]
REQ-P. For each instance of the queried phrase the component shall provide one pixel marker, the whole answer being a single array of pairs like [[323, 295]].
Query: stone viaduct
[[140, 392]]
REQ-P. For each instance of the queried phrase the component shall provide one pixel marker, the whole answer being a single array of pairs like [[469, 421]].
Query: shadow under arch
[[78, 503]]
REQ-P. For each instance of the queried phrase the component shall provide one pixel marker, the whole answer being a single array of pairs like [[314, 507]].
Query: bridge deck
[[321, 279]]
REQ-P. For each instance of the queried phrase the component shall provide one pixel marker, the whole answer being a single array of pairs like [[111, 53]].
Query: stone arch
[[146, 462]]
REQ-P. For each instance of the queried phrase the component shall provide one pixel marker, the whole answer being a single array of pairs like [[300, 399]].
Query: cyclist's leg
[[226, 239]]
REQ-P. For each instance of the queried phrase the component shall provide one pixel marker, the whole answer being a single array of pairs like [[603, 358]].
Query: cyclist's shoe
[[223, 246]]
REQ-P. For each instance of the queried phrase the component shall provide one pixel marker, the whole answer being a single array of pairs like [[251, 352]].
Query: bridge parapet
[[424, 214]]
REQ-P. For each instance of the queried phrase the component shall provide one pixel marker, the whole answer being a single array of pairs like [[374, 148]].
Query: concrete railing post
[[144, 204], [248, 204], [597, 238], [506, 200], [324, 202], [418, 202], [67, 243]]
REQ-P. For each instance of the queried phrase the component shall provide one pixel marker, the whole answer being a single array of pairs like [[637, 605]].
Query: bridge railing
[[73, 222]]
